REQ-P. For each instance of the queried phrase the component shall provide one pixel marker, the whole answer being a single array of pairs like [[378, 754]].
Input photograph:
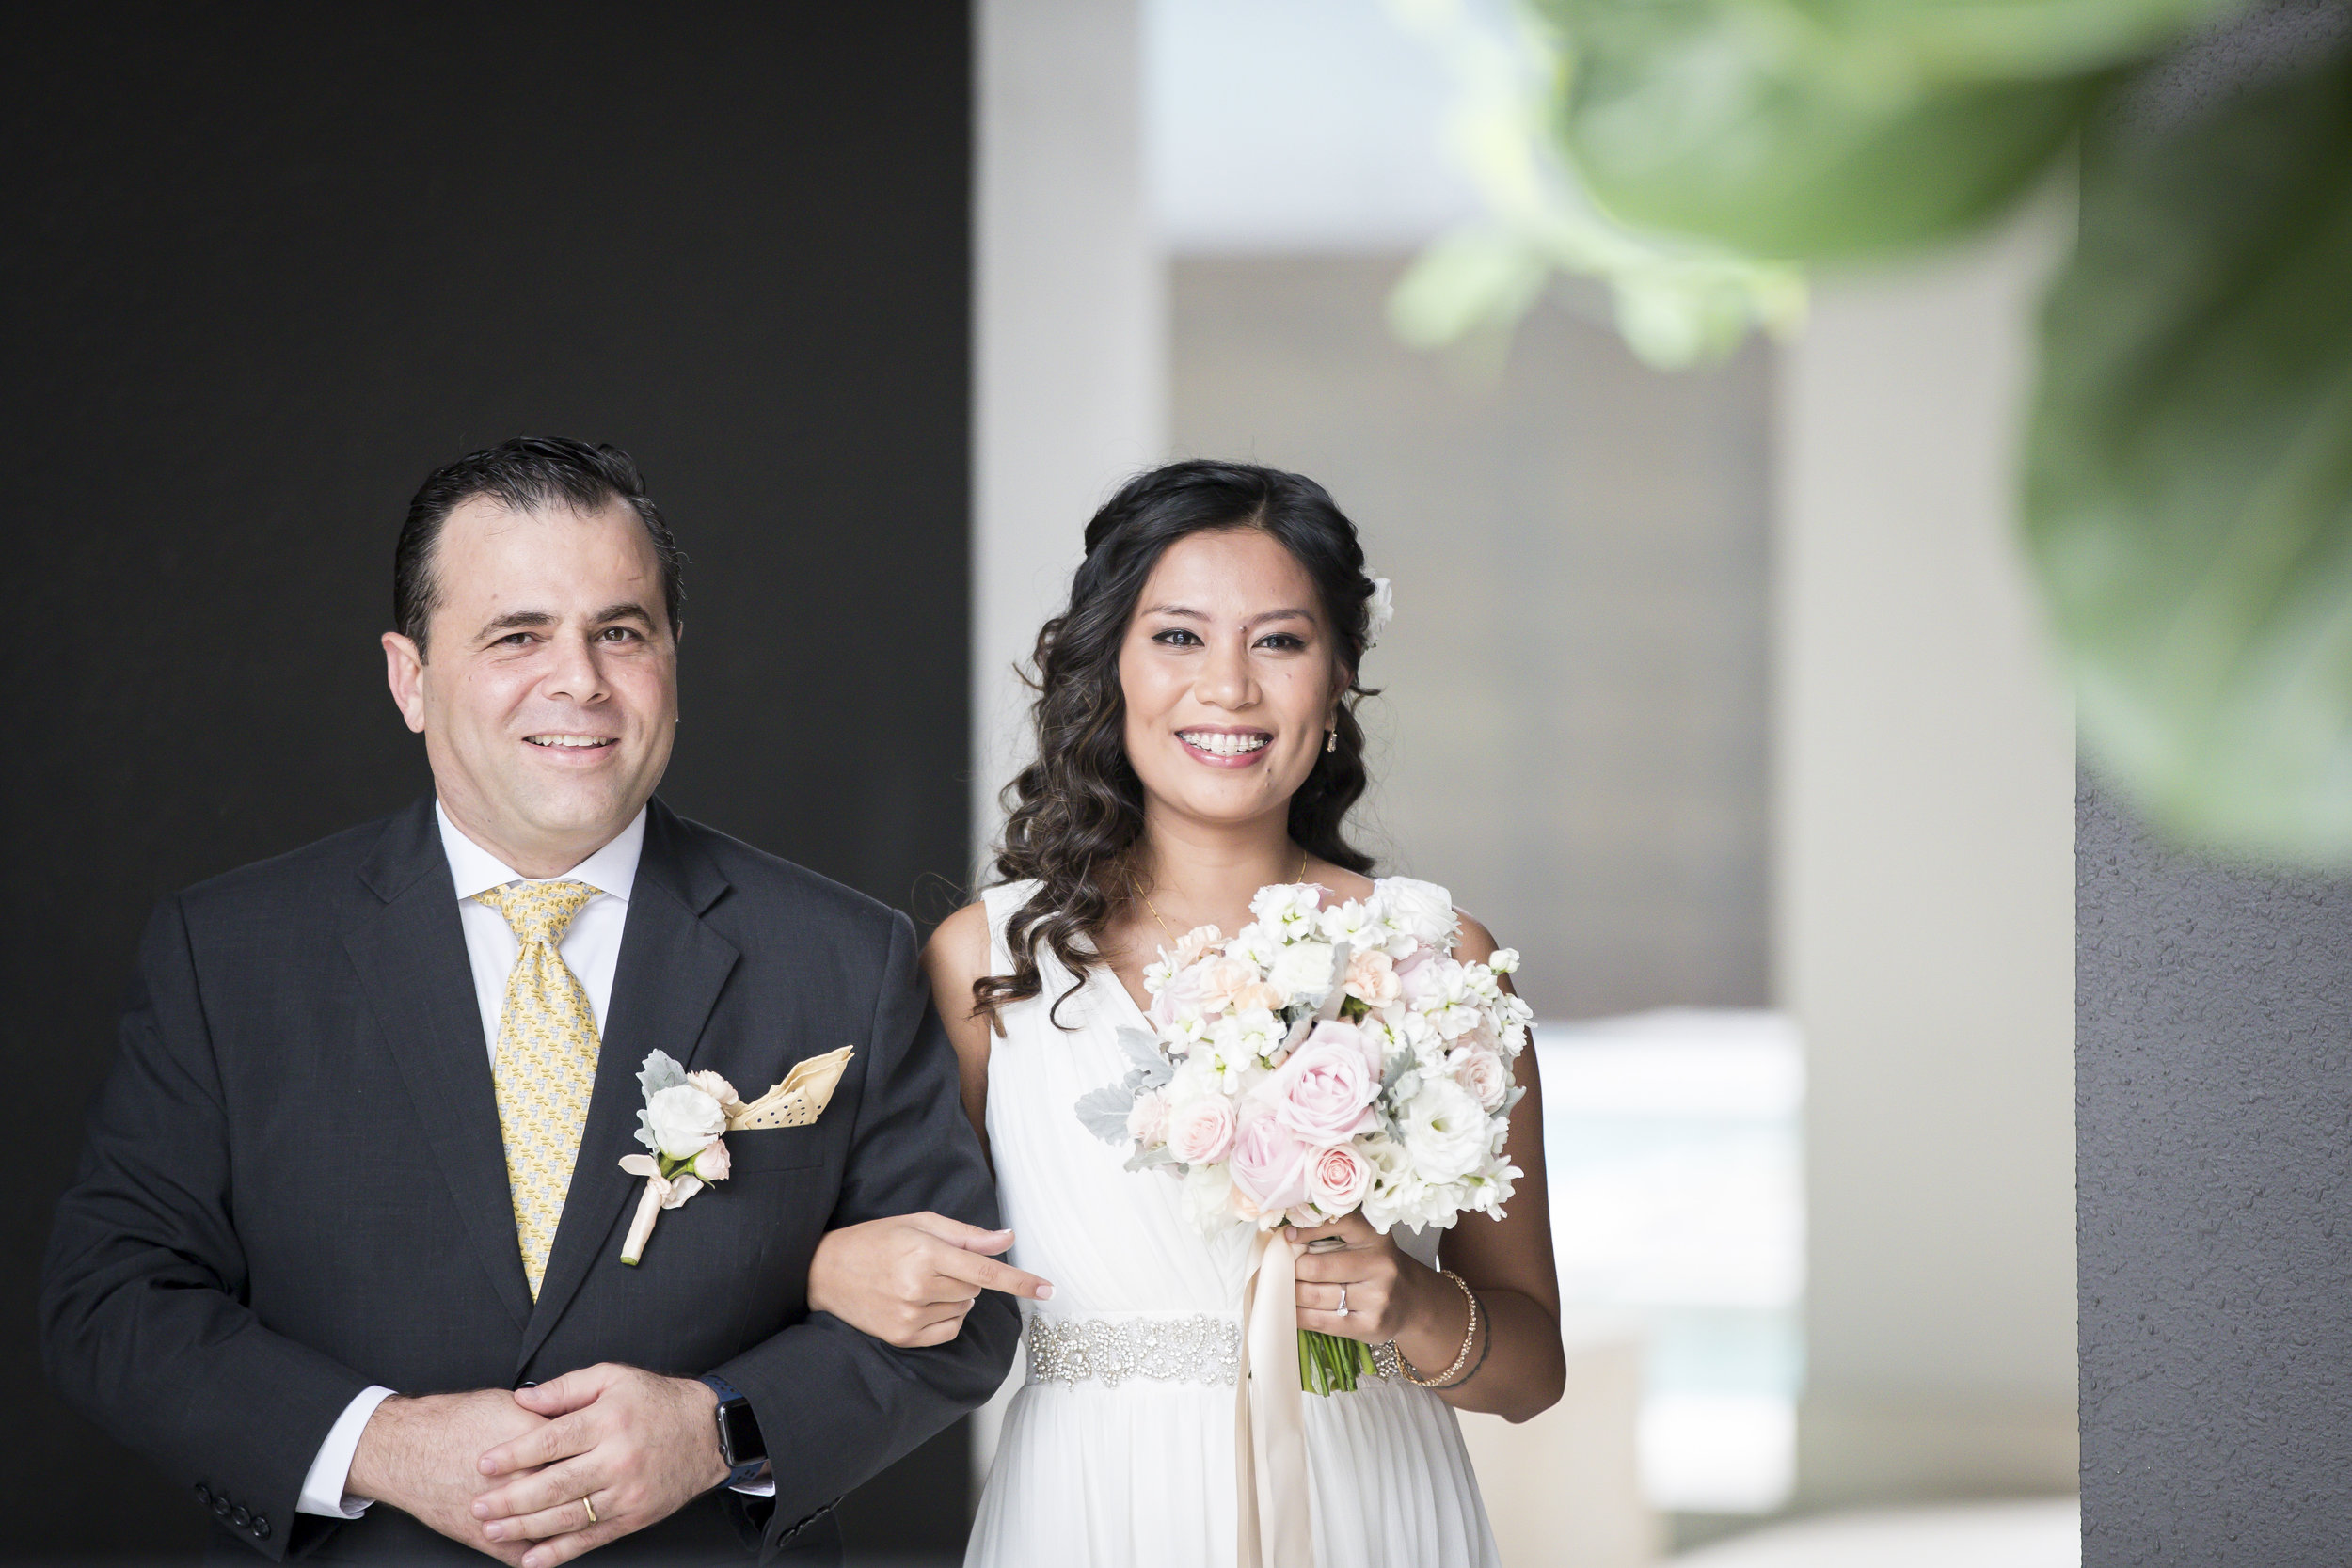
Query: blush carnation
[[1372, 978]]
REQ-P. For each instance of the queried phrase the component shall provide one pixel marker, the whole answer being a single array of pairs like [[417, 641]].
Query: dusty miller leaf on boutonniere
[[684, 1123]]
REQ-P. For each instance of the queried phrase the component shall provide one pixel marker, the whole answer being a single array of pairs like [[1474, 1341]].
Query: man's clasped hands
[[540, 1475]]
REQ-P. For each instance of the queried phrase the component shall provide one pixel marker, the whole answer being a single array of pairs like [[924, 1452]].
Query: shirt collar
[[611, 870]]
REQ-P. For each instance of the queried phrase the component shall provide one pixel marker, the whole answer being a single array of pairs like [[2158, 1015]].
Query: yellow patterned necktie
[[545, 1067]]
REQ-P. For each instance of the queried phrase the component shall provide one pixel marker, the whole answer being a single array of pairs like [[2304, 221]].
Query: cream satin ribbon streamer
[[1269, 1421]]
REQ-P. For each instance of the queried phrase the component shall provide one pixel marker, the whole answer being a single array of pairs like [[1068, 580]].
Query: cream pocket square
[[800, 1099]]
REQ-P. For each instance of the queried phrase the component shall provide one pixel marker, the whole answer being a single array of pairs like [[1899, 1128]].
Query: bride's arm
[[954, 960], [910, 1279], [1508, 1262], [1516, 1367]]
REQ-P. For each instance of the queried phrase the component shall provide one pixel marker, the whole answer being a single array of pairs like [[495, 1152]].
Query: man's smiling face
[[547, 692]]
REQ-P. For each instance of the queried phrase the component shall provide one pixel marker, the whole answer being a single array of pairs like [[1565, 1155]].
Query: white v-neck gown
[[1140, 1473]]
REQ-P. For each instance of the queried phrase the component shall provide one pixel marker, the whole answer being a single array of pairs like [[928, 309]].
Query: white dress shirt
[[590, 946]]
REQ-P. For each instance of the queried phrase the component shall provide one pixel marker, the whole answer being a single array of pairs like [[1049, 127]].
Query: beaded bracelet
[[1445, 1379]]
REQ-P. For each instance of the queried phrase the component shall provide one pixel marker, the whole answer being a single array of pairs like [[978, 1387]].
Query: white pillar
[[1068, 357], [1925, 887], [1068, 360]]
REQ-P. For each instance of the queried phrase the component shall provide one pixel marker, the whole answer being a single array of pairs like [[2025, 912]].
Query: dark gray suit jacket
[[294, 1186]]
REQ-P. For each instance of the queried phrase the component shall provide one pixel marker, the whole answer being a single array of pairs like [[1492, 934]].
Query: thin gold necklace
[[1163, 925]]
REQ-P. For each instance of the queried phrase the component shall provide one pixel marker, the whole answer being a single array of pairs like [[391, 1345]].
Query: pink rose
[[713, 1164], [1372, 978], [1481, 1071], [1147, 1119], [1270, 1165], [1200, 1131], [1337, 1179], [1323, 1091], [1355, 1037]]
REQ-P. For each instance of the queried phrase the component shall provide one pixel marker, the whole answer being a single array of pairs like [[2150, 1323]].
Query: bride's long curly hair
[[1076, 813]]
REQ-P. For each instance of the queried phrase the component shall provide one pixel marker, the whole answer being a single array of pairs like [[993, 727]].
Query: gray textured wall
[[2214, 1083]]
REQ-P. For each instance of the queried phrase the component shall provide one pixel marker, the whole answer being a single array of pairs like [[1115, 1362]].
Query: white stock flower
[[1257, 945], [684, 1121], [1504, 960], [1353, 923], [1423, 911], [1288, 910], [1444, 1130]]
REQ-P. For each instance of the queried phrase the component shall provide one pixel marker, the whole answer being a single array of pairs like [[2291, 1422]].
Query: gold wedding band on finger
[[589, 1506]]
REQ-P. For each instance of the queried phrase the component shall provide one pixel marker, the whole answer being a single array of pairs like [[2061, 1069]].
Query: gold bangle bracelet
[[1469, 1337]]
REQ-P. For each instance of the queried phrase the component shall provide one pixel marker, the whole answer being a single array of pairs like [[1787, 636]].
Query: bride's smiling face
[[1230, 677]]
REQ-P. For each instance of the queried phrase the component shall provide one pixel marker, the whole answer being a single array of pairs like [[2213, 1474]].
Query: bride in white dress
[[1195, 743]]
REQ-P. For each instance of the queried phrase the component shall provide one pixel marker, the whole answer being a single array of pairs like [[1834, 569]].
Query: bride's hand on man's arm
[[909, 1280]]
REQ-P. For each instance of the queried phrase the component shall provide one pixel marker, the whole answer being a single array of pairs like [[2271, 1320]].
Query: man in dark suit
[[361, 1144]]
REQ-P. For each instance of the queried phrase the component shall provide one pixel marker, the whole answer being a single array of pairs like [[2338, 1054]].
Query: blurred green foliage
[[2188, 499], [2188, 496]]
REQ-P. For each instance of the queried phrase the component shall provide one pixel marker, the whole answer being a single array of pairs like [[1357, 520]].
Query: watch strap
[[746, 1468]]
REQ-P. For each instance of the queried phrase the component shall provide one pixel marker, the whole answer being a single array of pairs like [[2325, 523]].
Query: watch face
[[738, 1433]]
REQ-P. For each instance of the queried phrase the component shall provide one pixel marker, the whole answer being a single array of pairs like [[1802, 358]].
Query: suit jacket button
[[203, 1494], [238, 1517], [220, 1505], [260, 1526]]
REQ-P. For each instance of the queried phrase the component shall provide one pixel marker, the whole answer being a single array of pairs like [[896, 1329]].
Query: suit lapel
[[410, 953], [670, 970]]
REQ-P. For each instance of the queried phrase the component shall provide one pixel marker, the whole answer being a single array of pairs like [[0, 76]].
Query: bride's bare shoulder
[[1473, 943], [957, 955]]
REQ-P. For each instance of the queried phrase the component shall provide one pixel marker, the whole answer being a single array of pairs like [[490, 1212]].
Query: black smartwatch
[[739, 1442]]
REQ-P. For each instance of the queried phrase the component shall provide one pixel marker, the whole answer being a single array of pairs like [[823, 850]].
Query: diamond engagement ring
[[1342, 1312]]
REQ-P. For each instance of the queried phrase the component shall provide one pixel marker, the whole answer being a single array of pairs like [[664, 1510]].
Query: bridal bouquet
[[1331, 1057]]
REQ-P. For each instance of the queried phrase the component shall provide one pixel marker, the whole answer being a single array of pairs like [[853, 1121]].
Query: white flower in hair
[[1378, 612]]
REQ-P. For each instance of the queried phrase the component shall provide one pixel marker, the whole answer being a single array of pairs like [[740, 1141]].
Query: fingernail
[[482, 1510], [1044, 1293], [494, 1531]]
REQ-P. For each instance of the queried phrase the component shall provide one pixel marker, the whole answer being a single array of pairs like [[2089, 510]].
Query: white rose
[[1302, 971], [684, 1121], [1423, 911], [1444, 1129]]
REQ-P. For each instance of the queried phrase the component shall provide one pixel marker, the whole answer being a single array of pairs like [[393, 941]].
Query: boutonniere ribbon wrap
[[685, 1123]]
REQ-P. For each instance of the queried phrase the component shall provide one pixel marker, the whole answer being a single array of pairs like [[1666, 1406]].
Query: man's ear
[[403, 671]]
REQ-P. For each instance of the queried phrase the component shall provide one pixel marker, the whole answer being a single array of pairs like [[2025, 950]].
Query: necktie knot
[[537, 911]]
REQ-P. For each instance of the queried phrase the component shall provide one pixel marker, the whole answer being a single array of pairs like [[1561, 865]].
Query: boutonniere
[[685, 1123]]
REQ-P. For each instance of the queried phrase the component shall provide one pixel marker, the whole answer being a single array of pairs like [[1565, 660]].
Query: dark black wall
[[264, 267], [2213, 1080]]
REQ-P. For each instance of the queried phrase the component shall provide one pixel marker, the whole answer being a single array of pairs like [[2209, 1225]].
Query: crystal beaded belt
[[1198, 1349]]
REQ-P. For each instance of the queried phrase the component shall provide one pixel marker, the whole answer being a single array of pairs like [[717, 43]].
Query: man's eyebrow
[[516, 620], [626, 611]]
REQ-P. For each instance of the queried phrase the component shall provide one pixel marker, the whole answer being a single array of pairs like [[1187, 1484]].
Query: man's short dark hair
[[529, 473]]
